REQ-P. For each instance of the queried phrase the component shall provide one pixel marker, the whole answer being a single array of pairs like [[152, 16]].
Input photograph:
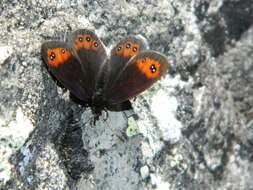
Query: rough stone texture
[[195, 124]]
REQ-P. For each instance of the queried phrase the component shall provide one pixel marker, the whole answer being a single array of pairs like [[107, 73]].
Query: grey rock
[[194, 125]]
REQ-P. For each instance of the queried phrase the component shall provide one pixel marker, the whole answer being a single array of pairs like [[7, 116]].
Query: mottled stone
[[192, 129]]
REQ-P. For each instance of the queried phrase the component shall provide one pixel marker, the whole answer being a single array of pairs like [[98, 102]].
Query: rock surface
[[193, 130]]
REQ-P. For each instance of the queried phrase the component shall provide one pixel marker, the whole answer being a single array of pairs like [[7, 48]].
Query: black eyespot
[[62, 51], [80, 39], [128, 45], [134, 49], [119, 48], [152, 68], [95, 44], [52, 56], [87, 39]]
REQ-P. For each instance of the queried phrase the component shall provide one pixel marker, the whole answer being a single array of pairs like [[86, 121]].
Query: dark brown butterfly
[[82, 66]]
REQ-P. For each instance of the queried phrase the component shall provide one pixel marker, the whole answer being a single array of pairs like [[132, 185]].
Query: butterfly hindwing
[[138, 74], [91, 53], [65, 67]]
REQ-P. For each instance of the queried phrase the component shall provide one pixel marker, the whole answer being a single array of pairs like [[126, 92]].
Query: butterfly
[[83, 67]]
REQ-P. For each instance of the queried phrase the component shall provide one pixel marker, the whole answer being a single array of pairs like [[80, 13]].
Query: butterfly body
[[83, 67]]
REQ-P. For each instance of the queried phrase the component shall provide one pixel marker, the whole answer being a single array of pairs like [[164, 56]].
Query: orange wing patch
[[128, 49], [135, 49], [83, 41], [57, 56], [119, 50], [149, 67]]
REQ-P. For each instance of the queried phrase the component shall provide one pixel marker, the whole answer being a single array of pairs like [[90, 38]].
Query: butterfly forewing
[[139, 74], [65, 67]]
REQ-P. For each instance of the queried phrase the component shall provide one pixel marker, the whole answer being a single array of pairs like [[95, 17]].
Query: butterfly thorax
[[97, 98]]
